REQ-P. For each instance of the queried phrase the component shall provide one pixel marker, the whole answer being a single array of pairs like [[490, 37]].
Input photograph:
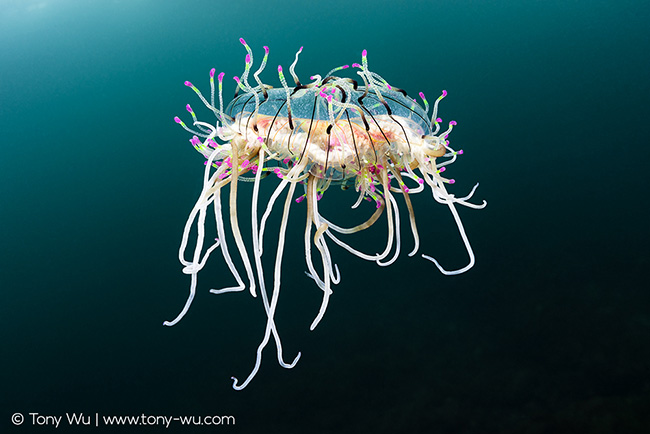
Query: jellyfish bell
[[332, 130]]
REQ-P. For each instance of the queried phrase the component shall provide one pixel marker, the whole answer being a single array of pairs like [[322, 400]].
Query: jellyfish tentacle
[[468, 247], [187, 305], [258, 257], [307, 237], [320, 245], [362, 194], [392, 224], [397, 235], [233, 218], [277, 275], [441, 195], [409, 207], [320, 228], [463, 200], [294, 175], [270, 324], [224, 248], [389, 215], [363, 226], [257, 252], [195, 266]]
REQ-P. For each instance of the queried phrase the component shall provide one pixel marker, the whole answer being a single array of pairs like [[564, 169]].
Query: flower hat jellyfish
[[332, 130]]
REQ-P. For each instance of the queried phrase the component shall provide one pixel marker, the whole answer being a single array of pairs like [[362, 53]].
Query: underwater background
[[549, 332]]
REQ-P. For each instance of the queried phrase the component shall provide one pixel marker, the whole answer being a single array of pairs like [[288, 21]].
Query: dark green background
[[548, 333]]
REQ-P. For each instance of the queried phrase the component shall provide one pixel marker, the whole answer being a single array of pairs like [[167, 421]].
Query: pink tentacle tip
[[188, 108], [248, 58], [442, 169], [460, 152], [242, 41], [422, 95], [212, 71], [221, 76], [345, 66], [444, 93], [364, 53], [421, 181], [453, 123], [266, 49], [188, 84], [452, 181], [356, 65], [438, 120], [236, 79], [261, 140], [177, 120], [300, 199], [300, 51], [279, 68]]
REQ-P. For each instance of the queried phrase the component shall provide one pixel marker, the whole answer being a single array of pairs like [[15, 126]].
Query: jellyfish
[[357, 131]]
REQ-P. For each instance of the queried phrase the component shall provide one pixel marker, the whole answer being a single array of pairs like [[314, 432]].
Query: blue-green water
[[549, 332]]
